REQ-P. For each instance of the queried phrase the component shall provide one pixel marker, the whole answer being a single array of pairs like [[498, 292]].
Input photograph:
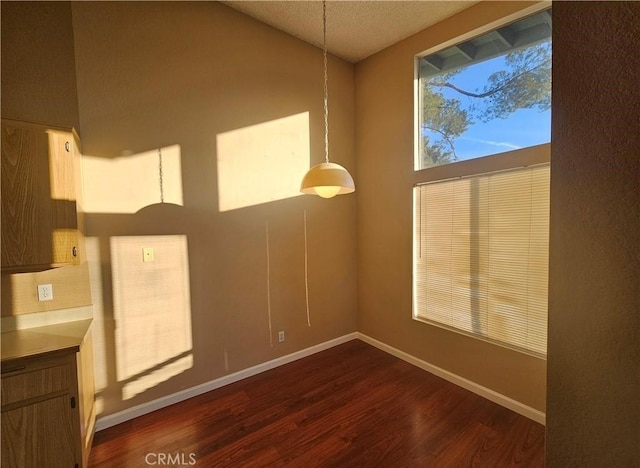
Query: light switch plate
[[148, 254], [45, 292]]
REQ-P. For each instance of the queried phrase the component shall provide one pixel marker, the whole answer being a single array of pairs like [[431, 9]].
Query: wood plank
[[352, 405]]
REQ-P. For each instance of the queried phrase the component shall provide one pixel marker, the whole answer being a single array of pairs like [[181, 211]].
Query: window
[[482, 254], [481, 201], [486, 95]]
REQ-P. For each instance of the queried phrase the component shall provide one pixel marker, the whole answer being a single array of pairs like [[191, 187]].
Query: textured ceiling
[[355, 29]]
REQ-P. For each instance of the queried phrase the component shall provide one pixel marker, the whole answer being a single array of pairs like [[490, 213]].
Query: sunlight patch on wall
[[152, 311], [156, 376], [262, 163], [127, 184]]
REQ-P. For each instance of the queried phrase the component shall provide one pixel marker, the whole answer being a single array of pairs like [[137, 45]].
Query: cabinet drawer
[[35, 383]]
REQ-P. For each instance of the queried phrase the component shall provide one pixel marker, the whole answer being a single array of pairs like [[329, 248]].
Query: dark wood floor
[[352, 405]]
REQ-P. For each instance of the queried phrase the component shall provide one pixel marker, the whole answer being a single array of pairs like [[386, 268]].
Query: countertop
[[43, 340]]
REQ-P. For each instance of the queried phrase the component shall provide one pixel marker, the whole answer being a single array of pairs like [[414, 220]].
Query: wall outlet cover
[[45, 292]]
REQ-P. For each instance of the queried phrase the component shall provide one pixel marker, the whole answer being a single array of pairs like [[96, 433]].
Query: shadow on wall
[[129, 183], [139, 246], [140, 283]]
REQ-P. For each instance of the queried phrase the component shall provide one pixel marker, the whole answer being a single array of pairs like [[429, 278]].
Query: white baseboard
[[498, 398], [139, 410]]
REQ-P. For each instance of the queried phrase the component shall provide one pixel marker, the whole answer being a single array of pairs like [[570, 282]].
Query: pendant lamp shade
[[327, 180]]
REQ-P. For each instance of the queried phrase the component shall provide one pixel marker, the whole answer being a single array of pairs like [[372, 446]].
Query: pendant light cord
[[326, 79], [160, 174]]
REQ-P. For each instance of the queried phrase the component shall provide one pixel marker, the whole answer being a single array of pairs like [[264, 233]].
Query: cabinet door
[[39, 222], [39, 435]]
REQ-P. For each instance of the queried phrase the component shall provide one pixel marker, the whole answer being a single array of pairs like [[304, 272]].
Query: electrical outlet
[[45, 292], [280, 336]]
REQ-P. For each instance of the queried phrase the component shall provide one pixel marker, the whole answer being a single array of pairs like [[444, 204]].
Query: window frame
[[480, 30], [523, 157]]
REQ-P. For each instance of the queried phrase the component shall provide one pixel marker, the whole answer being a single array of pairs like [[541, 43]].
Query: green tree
[[524, 83]]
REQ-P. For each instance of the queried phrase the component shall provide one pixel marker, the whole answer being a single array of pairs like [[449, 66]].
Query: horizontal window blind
[[481, 255]]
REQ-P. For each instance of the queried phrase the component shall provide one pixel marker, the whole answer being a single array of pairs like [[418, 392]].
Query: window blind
[[481, 255]]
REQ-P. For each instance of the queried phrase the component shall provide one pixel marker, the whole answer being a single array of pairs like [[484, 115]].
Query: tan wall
[[181, 76], [38, 71], [385, 126], [593, 416]]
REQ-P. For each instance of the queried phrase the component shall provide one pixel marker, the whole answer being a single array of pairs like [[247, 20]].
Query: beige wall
[[593, 409], [385, 126], [38, 71], [183, 76]]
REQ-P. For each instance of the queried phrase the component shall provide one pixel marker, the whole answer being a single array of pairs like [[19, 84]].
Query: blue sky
[[525, 127]]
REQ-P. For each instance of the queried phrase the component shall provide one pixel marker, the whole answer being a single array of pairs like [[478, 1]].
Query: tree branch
[[446, 137], [494, 90]]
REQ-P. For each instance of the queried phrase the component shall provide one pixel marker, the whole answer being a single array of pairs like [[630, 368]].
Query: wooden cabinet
[[39, 216], [29, 438], [48, 412]]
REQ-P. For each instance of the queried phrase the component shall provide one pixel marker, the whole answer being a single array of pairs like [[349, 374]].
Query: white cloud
[[504, 144]]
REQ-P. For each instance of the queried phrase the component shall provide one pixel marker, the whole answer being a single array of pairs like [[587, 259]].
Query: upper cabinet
[[40, 170]]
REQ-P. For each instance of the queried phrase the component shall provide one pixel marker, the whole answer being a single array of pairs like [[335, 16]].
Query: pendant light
[[327, 179]]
